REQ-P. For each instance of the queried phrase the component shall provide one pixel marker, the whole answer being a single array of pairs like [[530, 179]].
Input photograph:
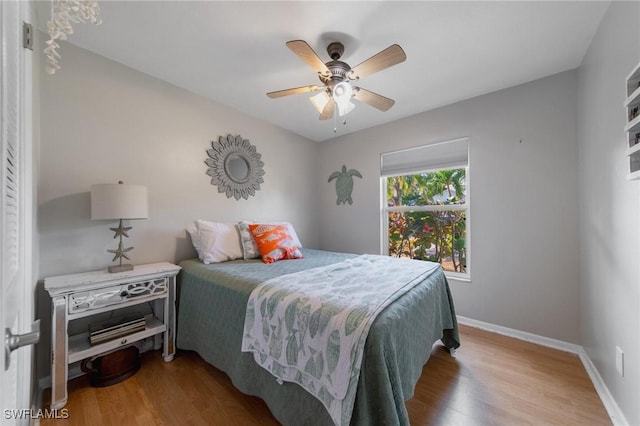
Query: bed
[[212, 302]]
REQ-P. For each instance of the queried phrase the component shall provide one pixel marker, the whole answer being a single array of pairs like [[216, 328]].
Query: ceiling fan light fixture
[[337, 91], [342, 93], [345, 108], [320, 100]]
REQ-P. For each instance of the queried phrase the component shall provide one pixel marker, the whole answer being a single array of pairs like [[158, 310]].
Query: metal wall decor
[[235, 166], [344, 184]]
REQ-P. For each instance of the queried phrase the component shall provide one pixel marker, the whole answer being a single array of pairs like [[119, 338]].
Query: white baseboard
[[522, 335], [74, 372], [610, 404]]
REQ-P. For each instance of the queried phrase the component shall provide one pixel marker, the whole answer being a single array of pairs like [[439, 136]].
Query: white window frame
[[385, 210]]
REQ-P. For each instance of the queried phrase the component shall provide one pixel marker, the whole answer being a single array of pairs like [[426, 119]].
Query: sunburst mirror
[[235, 166]]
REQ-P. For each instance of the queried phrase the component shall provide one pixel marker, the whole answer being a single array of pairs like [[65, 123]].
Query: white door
[[16, 218]]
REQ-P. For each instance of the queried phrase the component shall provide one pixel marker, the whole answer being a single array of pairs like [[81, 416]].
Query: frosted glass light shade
[[320, 100], [345, 108], [342, 93], [119, 201]]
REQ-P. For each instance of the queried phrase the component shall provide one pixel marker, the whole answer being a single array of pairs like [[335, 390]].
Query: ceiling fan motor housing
[[339, 70]]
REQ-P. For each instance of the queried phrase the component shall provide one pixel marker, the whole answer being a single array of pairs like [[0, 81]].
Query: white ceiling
[[234, 52]]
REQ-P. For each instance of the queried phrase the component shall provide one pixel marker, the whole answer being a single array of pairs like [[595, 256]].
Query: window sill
[[460, 278]]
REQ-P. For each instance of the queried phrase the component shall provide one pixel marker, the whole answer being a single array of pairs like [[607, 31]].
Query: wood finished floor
[[494, 380]]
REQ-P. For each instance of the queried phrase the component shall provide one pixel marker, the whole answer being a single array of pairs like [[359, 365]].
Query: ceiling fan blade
[[306, 53], [389, 57], [328, 110], [293, 91], [377, 101]]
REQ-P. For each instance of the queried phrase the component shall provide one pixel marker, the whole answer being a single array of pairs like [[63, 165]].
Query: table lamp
[[112, 201]]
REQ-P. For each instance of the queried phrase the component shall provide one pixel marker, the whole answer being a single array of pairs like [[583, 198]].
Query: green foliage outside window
[[438, 234]]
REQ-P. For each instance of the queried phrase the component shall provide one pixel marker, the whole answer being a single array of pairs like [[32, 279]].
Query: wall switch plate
[[620, 361]]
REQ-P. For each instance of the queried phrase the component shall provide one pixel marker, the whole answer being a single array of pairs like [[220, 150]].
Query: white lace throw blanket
[[310, 327]]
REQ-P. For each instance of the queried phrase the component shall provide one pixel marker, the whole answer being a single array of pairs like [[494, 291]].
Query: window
[[425, 205]]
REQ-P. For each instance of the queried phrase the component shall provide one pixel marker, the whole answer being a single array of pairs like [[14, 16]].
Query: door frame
[[27, 276]]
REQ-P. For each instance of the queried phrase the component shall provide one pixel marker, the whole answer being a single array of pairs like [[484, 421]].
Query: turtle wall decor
[[344, 184]]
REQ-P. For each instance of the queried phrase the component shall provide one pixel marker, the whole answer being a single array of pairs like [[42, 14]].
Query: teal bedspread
[[211, 312]]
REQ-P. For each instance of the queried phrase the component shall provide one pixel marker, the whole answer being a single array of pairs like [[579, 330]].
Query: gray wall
[[542, 260], [102, 122], [524, 204], [610, 208]]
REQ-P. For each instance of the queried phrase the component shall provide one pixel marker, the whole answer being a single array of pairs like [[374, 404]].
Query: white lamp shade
[[119, 201]]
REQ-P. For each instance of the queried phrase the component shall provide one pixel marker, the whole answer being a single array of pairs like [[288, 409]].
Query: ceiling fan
[[337, 75]]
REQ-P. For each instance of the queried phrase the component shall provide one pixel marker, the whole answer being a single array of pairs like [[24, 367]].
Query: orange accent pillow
[[274, 242]]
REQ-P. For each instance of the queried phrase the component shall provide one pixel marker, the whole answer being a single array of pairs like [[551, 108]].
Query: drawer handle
[[123, 341]]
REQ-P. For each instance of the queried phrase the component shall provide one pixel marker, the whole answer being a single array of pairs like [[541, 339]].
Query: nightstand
[[83, 295]]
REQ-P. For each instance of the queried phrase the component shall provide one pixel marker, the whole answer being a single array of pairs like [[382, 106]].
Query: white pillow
[[250, 247], [292, 232], [195, 240], [219, 242]]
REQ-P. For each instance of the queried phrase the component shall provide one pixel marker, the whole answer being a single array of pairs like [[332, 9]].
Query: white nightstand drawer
[[95, 299]]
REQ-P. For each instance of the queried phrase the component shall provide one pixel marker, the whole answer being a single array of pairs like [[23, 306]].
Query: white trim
[[427, 208], [457, 276], [74, 372], [466, 207], [384, 218], [610, 404], [522, 335]]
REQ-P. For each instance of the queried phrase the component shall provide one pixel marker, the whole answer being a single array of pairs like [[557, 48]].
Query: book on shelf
[[116, 327]]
